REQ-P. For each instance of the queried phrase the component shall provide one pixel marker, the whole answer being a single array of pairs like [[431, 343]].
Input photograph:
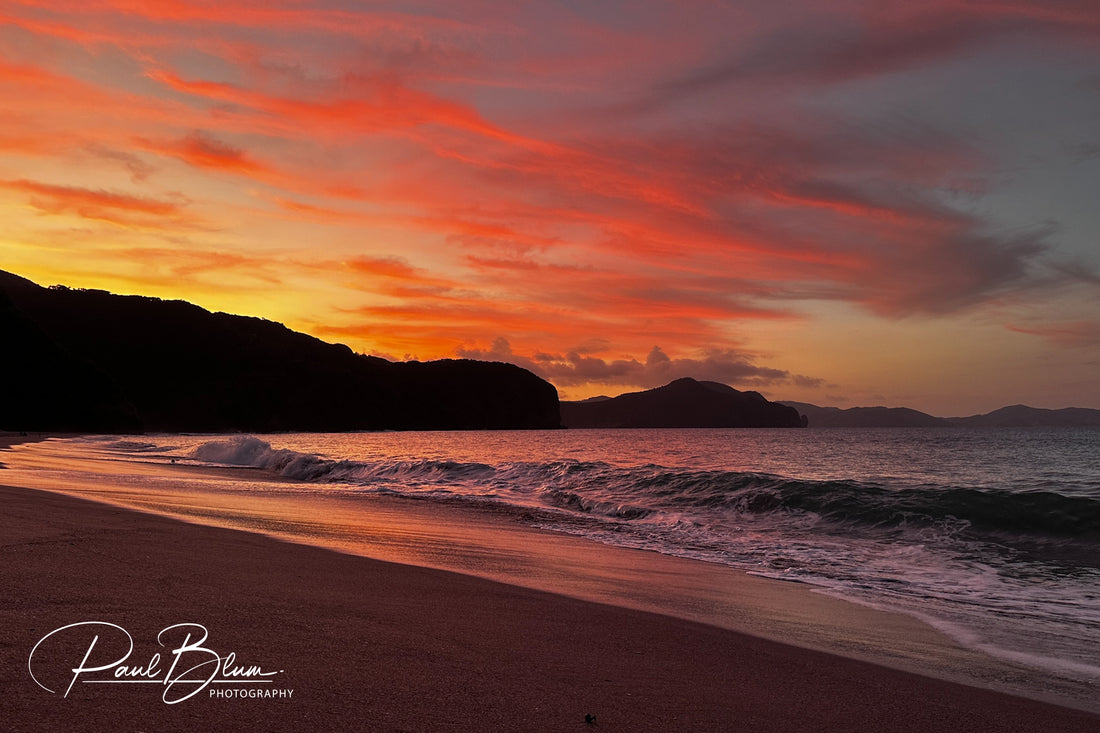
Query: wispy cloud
[[851, 41], [121, 209], [203, 150], [1074, 334]]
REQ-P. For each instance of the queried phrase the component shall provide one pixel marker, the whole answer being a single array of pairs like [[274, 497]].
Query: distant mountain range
[[1016, 416], [87, 360], [684, 403], [688, 403]]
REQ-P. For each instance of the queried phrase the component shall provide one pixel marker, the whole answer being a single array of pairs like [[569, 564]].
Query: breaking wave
[[601, 489]]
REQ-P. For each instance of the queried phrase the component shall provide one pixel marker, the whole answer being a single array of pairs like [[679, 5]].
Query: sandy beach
[[372, 645]]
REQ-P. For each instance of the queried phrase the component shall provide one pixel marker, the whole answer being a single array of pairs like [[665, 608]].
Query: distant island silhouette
[[87, 360], [684, 403], [1015, 416], [865, 417], [1022, 416]]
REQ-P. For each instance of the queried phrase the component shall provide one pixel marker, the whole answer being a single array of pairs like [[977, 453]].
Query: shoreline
[[382, 645], [505, 548]]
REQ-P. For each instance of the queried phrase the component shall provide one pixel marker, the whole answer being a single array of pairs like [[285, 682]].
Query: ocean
[[991, 536]]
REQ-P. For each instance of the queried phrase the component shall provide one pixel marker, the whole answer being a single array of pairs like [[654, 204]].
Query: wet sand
[[373, 645]]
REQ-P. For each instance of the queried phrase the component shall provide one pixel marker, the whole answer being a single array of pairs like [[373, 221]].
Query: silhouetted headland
[[88, 360], [684, 403]]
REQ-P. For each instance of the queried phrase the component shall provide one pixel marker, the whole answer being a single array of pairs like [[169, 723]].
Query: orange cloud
[[28, 143], [205, 151], [379, 106], [452, 225], [186, 263], [114, 208]]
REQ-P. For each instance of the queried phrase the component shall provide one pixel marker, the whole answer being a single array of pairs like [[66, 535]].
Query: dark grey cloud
[[950, 274], [845, 46]]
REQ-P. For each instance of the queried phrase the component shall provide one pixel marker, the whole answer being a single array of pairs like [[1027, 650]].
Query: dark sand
[[369, 645]]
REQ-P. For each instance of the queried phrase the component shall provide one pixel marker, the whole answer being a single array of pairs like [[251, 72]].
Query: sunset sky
[[844, 202]]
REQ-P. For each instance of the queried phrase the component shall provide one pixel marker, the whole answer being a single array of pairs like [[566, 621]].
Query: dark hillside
[[87, 359]]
